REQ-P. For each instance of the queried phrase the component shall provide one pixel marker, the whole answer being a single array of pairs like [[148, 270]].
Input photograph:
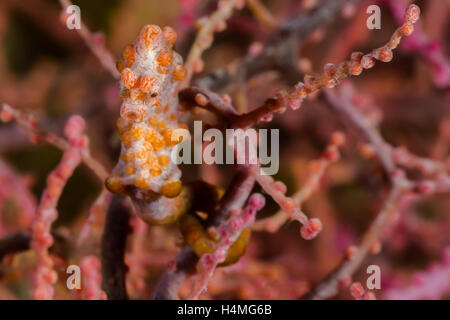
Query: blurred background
[[48, 70]]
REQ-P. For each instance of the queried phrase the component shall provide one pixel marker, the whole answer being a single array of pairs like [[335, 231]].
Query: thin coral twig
[[359, 293], [277, 53], [20, 241], [135, 259], [169, 284], [228, 235], [340, 102], [15, 186], [30, 124], [329, 287], [96, 44], [184, 263], [432, 52], [97, 212], [207, 26], [90, 268], [310, 227], [208, 100], [318, 168], [432, 284], [408, 160], [262, 14], [235, 197], [331, 76], [45, 276]]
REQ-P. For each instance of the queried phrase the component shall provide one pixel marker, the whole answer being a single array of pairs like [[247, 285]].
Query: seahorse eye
[[154, 94]]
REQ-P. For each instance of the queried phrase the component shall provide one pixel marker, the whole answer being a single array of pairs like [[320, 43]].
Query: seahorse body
[[150, 74]]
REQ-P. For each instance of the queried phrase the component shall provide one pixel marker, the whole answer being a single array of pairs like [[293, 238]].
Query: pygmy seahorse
[[151, 72]]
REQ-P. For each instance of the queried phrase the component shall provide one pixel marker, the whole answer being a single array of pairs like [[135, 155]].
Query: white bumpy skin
[[150, 75]]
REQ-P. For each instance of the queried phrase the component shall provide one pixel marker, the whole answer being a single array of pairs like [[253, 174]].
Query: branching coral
[[430, 284], [359, 293], [215, 22], [331, 76], [158, 99], [401, 186], [95, 42], [90, 267], [341, 276], [431, 51], [228, 234], [46, 214], [16, 187], [318, 168], [31, 125]]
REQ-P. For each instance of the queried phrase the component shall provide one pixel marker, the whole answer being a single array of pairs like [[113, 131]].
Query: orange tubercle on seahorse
[[150, 75]]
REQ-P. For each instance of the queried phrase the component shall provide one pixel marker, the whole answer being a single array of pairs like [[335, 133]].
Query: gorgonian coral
[[158, 97]]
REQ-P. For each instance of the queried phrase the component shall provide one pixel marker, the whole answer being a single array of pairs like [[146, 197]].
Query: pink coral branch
[[343, 273], [408, 160], [262, 14], [431, 51], [331, 76], [205, 36], [184, 263], [310, 227], [45, 276], [96, 44], [97, 212], [16, 187], [359, 293], [228, 235], [433, 283], [188, 15], [90, 268], [30, 124], [136, 258], [440, 184], [208, 100], [278, 53], [318, 168], [342, 102]]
